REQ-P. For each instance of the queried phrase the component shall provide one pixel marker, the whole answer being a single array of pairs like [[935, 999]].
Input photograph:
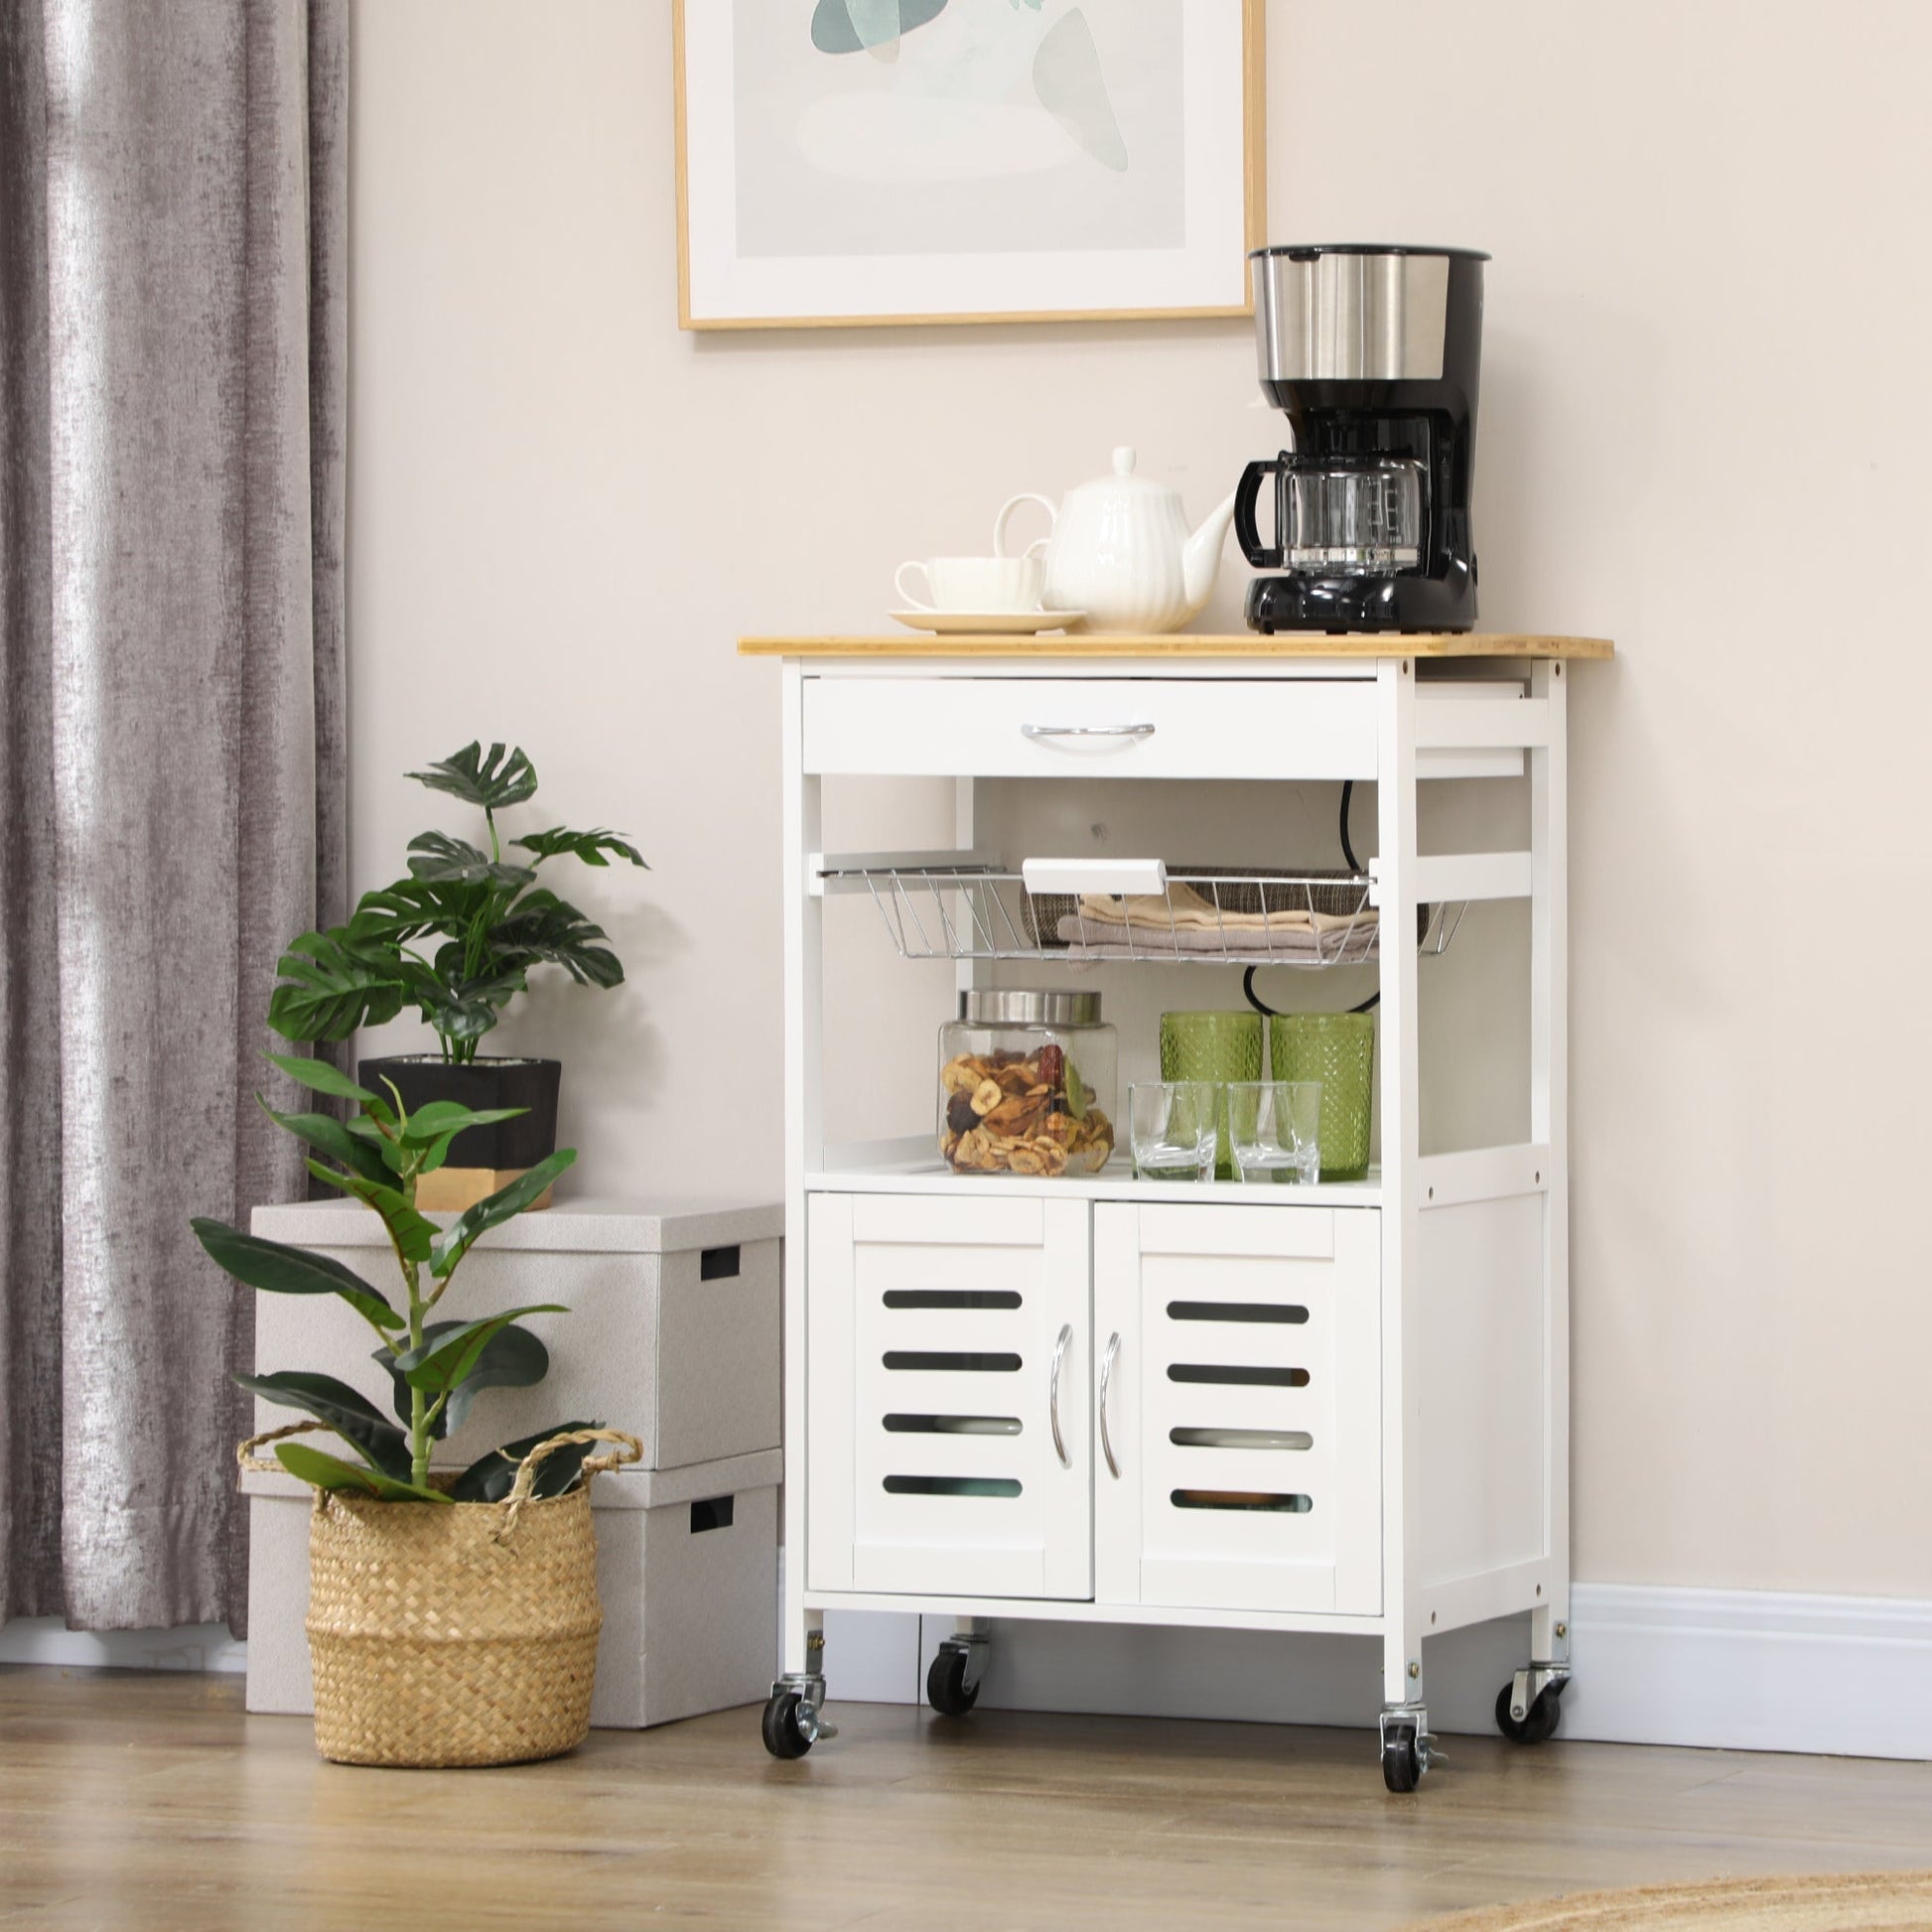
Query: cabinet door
[[1240, 1446], [948, 1376]]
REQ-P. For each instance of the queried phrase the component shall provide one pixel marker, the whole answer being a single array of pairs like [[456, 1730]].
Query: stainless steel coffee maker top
[[1351, 314]]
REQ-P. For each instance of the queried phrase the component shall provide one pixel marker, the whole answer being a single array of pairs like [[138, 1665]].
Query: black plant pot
[[483, 1083]]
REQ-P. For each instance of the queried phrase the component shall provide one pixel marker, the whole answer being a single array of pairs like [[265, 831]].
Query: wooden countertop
[[1188, 643]]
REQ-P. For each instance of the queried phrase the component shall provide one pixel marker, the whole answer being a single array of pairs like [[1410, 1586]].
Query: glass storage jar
[[1026, 1083]]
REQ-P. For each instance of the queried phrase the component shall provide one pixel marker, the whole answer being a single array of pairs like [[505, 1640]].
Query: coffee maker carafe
[[1373, 352]]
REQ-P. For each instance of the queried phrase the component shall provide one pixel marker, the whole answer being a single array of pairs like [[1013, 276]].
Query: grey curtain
[[172, 192]]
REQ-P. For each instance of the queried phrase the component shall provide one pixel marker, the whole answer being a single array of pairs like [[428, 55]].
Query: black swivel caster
[[1402, 1757], [786, 1733], [945, 1685], [1538, 1723]]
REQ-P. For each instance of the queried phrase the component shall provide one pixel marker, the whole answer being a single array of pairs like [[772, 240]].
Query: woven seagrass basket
[[458, 1634]]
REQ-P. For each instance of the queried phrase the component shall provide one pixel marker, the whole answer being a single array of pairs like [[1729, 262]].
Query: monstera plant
[[458, 939], [435, 1368]]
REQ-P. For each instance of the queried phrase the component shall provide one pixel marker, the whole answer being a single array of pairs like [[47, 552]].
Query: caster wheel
[[945, 1685], [1538, 1723], [783, 1736], [1401, 1758]]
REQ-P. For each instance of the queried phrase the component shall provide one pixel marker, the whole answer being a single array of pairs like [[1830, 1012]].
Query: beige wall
[[1705, 412]]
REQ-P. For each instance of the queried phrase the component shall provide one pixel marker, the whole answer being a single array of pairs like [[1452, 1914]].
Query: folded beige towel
[[1183, 908], [1302, 947], [1293, 939]]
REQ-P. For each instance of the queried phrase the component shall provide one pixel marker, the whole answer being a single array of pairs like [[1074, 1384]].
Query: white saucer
[[987, 623]]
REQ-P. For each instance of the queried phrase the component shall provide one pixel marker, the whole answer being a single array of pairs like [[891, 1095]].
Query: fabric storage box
[[672, 1332], [687, 1568]]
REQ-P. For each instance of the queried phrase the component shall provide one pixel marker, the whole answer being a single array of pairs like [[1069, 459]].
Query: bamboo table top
[[1189, 644]]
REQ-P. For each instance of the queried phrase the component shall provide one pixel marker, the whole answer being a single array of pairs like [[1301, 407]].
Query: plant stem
[[419, 1418]]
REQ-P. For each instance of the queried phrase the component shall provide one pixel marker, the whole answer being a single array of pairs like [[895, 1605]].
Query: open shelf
[[971, 910], [931, 1175]]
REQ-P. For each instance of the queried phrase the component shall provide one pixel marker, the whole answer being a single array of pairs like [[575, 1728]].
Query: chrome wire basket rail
[[1204, 917]]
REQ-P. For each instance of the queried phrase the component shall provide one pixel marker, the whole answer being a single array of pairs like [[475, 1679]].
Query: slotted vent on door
[[950, 1447], [1241, 1445]]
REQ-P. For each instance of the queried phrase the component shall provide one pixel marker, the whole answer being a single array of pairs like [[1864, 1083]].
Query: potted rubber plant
[[453, 1614], [458, 939]]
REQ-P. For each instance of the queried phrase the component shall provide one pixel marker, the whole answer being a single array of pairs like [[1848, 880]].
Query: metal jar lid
[[1017, 1007]]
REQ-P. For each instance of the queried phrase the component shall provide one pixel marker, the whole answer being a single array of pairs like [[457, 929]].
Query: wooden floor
[[129, 1799]]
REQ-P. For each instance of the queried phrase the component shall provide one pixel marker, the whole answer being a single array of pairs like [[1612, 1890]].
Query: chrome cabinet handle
[[1053, 1395], [1086, 730], [1106, 1385]]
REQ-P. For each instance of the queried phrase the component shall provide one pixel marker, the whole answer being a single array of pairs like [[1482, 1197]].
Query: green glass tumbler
[[1214, 1046], [1337, 1050]]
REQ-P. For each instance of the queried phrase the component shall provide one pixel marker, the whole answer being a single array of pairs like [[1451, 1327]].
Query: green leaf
[[320, 1077], [492, 781], [460, 1019], [328, 989], [408, 910], [350, 1413], [488, 1479], [512, 1358], [390, 1152], [278, 1269], [412, 1233], [438, 859], [436, 1118], [326, 1471], [542, 926], [450, 1359], [468, 1007], [588, 846], [329, 1136], [455, 1240]]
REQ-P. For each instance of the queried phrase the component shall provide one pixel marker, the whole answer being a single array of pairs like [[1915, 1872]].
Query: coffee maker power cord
[[1354, 864]]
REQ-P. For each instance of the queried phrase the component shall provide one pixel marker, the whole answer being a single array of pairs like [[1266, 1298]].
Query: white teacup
[[978, 584]]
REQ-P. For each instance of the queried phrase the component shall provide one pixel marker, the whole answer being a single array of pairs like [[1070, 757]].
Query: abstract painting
[[845, 161]]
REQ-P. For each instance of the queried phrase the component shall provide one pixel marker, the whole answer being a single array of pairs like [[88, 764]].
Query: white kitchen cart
[[1340, 1408]]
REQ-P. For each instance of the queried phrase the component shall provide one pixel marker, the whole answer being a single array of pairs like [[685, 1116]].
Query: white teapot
[[1121, 551]]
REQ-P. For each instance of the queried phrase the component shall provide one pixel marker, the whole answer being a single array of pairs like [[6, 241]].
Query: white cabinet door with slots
[[1239, 1411], [947, 1395]]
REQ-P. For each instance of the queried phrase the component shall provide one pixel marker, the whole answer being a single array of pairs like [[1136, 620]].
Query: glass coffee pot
[[1345, 515]]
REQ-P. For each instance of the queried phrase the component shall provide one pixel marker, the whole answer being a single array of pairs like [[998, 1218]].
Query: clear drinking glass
[[1174, 1128], [1273, 1127]]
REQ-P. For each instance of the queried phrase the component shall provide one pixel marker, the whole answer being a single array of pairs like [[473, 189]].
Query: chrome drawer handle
[[1106, 1385], [1053, 1395], [1086, 730]]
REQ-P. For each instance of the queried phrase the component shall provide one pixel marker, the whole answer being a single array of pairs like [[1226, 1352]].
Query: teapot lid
[[1122, 477]]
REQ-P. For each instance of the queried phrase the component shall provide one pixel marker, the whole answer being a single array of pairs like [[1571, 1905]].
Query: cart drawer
[[1116, 728]]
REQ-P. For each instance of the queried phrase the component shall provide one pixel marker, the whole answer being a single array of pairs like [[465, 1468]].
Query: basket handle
[[527, 1471], [256, 1463]]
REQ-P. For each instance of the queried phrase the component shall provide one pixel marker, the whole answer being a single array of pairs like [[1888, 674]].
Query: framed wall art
[[921, 161]]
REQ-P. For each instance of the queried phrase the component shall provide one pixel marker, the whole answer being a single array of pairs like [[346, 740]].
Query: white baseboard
[[194, 1646], [1730, 1669], [1739, 1670], [1751, 1670]]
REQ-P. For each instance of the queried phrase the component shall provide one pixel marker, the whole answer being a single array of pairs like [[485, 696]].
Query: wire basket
[[1226, 915]]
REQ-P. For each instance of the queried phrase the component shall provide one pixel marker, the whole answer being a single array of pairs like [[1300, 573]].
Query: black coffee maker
[[1373, 352]]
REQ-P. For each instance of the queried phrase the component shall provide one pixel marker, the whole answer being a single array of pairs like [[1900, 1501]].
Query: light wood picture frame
[[795, 169]]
